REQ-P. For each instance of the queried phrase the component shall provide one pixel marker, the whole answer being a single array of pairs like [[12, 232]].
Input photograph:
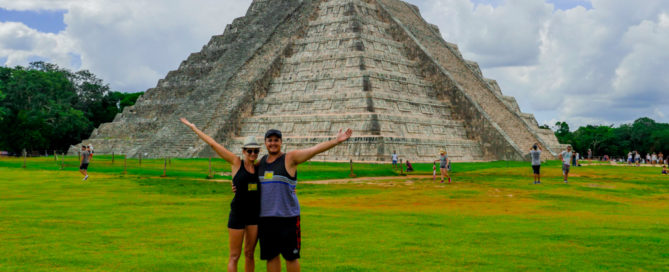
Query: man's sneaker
[[538, 182], [565, 181], [86, 177]]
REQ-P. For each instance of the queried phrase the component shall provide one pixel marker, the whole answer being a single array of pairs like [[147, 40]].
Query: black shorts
[[536, 169], [241, 219], [84, 166], [279, 235]]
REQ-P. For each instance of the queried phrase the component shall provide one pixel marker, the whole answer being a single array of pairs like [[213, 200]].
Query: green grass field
[[491, 219]]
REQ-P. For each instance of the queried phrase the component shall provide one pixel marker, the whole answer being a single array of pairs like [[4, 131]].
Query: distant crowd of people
[[635, 158]]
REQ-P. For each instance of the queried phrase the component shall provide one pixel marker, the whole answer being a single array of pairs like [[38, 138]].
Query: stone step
[[350, 59], [317, 99]]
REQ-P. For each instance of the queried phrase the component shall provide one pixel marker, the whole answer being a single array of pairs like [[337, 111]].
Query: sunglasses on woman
[[252, 151]]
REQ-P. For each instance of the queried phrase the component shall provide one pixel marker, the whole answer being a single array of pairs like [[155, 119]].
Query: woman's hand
[[344, 135]]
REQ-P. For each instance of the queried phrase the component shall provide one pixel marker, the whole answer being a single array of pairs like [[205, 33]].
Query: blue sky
[[581, 61], [47, 21]]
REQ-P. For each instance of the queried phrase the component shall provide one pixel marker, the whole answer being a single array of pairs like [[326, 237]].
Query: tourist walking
[[85, 160], [245, 206], [394, 159], [637, 158], [535, 155], [279, 228], [566, 157], [630, 158], [444, 163]]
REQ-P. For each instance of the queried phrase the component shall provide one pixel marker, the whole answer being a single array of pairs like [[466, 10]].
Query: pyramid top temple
[[312, 67]]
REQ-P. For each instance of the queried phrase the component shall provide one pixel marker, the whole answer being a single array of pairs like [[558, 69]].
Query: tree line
[[644, 135], [44, 107]]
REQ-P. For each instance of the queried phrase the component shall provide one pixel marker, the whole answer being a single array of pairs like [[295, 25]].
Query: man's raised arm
[[299, 156]]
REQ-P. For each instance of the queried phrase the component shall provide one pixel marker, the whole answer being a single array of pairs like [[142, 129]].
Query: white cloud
[[19, 43], [601, 65], [129, 43]]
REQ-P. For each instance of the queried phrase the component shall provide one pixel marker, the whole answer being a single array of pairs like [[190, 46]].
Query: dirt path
[[363, 179], [348, 180]]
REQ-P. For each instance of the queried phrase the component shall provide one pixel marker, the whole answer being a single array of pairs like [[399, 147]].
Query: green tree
[[39, 114], [3, 110], [562, 133], [596, 138], [660, 140], [46, 107]]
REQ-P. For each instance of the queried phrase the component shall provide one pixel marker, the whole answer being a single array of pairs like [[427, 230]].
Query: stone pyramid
[[311, 67]]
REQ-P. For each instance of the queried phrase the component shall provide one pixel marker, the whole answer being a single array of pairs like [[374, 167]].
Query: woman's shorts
[[239, 220]]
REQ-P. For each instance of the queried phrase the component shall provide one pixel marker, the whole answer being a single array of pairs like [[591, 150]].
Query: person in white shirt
[[566, 156]]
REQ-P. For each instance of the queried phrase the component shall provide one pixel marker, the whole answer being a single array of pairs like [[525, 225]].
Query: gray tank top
[[277, 197]]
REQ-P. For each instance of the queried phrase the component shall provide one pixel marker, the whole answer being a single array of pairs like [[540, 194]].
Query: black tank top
[[247, 197]]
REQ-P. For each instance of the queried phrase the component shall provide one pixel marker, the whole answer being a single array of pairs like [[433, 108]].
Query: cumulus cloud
[[129, 43], [603, 64], [19, 43]]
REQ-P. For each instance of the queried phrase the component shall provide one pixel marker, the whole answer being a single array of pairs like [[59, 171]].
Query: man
[[566, 156], [394, 158], [535, 155], [279, 226], [85, 159], [589, 154], [444, 165]]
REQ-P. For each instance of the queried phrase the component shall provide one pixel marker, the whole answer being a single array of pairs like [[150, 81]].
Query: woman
[[245, 206], [444, 162]]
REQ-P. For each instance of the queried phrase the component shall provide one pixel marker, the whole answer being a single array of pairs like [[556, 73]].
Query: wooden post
[[112, 157], [125, 164], [55, 156], [210, 175], [352, 174], [24, 157], [164, 169]]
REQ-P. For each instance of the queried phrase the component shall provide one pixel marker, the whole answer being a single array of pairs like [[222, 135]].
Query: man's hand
[[344, 135], [234, 188]]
